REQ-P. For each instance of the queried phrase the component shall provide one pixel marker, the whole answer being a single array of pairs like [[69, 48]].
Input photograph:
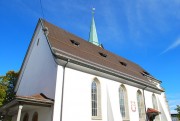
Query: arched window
[[140, 102], [35, 117], [154, 101], [123, 101], [26, 117], [155, 105], [96, 99]]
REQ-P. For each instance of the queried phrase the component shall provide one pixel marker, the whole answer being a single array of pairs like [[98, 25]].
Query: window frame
[[125, 102], [155, 106], [98, 100], [140, 104], [154, 102]]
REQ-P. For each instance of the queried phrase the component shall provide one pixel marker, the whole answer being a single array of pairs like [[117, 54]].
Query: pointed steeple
[[93, 38]]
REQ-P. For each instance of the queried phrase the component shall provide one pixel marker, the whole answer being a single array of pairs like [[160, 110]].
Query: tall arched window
[[140, 102], [123, 101], [26, 117], [35, 117], [154, 101], [96, 99], [155, 105]]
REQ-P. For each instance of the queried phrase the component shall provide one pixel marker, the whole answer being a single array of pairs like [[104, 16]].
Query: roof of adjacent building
[[37, 97], [33, 100], [68, 45], [151, 110]]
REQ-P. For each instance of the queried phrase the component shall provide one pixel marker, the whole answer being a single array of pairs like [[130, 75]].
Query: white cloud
[[111, 20], [174, 100], [173, 105], [26, 8], [172, 46]]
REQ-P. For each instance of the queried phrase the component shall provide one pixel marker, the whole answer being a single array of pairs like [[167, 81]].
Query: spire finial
[[93, 10]]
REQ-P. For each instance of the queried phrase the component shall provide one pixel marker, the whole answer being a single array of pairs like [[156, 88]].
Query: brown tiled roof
[[59, 40], [36, 97], [151, 110]]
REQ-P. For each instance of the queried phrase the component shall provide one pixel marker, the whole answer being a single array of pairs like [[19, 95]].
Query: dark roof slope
[[63, 41]]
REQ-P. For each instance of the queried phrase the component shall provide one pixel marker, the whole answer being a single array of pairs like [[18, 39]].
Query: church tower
[[93, 38]]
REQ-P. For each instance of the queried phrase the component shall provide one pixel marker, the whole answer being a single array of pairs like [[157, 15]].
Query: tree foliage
[[7, 84], [2, 94], [178, 111]]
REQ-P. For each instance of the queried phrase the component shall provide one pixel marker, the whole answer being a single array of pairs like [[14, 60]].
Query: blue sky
[[146, 32]]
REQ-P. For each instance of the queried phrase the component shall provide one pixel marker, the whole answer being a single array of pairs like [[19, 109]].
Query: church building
[[66, 78]]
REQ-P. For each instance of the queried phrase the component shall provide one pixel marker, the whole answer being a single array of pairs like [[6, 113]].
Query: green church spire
[[93, 34]]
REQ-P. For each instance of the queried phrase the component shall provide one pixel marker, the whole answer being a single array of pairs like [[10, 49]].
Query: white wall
[[39, 75], [58, 94], [132, 102], [165, 114], [44, 114], [77, 98]]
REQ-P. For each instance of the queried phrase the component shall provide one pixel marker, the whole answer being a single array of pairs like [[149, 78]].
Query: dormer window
[[123, 63], [102, 54], [142, 73], [145, 73], [75, 42]]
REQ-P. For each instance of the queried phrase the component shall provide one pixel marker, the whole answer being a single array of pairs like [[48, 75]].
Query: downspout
[[145, 102], [62, 97]]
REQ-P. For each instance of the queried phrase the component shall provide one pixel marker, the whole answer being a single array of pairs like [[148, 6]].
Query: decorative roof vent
[[123, 63], [75, 42], [46, 32], [102, 54]]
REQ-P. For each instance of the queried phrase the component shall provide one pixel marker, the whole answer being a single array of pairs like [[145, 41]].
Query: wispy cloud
[[173, 104], [27, 8], [172, 46], [149, 19], [111, 20], [173, 101]]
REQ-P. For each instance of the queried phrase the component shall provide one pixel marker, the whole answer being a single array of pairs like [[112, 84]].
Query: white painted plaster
[[77, 98], [39, 75], [58, 95], [132, 99], [113, 92], [44, 114], [165, 115]]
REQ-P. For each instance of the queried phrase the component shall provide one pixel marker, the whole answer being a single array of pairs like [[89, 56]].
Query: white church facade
[[65, 78]]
